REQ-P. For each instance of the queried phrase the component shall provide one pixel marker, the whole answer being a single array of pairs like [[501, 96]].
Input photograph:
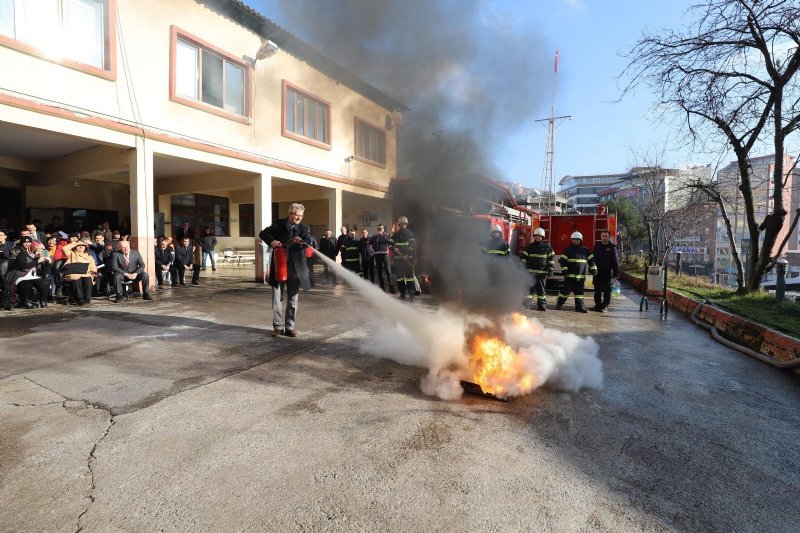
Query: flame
[[496, 366]]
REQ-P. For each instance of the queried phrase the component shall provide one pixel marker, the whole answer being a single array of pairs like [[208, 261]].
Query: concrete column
[[263, 216], [334, 197], [140, 176]]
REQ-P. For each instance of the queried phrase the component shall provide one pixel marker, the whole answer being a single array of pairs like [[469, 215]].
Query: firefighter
[[496, 245], [351, 259], [576, 262], [403, 244], [540, 261]]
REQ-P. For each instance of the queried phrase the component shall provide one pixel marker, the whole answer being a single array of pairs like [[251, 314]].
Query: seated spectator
[[165, 257], [116, 237], [102, 254], [34, 232], [32, 267], [78, 255], [128, 265]]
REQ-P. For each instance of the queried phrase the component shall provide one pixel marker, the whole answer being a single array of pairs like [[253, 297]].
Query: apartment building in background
[[189, 110]]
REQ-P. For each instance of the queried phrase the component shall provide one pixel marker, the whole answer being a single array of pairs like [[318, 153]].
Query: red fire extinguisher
[[281, 267]]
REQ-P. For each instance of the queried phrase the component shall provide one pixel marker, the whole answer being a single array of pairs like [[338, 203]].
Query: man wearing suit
[[127, 265], [288, 233], [184, 232]]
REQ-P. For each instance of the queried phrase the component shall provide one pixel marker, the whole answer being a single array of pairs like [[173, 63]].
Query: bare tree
[[732, 71]]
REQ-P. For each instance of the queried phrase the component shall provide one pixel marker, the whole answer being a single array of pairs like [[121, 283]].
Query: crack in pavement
[[89, 465]]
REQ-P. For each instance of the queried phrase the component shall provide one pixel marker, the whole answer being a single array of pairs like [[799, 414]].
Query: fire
[[496, 366]]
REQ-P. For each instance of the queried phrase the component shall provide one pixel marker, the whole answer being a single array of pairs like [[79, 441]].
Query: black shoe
[[195, 283], [542, 308], [581, 310], [81, 302], [146, 296], [597, 309], [291, 333], [402, 296], [117, 298], [26, 305], [214, 269], [604, 310], [42, 304]]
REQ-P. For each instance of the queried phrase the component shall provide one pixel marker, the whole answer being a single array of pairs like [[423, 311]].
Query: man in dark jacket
[[183, 232], [128, 265], [165, 258], [290, 234], [605, 257], [380, 244], [539, 260], [311, 261], [576, 262], [367, 253], [184, 260], [208, 242], [327, 246]]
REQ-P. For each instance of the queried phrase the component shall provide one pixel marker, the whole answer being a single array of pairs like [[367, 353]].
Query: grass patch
[[759, 307]]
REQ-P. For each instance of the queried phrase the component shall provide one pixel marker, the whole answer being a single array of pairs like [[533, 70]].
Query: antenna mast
[[548, 181]]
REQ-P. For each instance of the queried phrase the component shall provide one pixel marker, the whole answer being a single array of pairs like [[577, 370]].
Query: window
[[207, 78], [247, 220], [201, 211], [370, 143], [306, 117], [77, 33]]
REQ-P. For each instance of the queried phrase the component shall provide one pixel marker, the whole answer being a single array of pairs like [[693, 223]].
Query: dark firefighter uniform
[[496, 246], [540, 261], [351, 258], [576, 262], [403, 247]]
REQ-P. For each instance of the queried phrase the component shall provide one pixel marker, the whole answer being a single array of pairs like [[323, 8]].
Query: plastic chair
[[228, 255]]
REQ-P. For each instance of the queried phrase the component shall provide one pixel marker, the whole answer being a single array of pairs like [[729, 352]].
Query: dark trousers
[[25, 290], [537, 288], [574, 286], [180, 273], [602, 291], [383, 269], [352, 265], [405, 278], [143, 278], [310, 262], [160, 274], [82, 289], [368, 268]]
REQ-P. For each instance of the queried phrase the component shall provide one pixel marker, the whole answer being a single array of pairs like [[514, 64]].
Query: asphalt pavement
[[184, 414]]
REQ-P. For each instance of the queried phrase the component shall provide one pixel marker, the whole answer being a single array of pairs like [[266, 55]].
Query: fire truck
[[492, 204], [558, 229]]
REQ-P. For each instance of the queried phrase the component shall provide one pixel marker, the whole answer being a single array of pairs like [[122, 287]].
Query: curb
[[757, 337]]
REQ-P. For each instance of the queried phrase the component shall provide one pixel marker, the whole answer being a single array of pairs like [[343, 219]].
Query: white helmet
[[538, 231], [497, 229], [402, 220], [577, 235]]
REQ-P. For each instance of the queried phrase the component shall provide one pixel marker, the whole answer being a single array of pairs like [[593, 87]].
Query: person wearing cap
[[403, 246], [78, 253], [32, 267], [291, 234], [576, 262], [496, 245], [539, 259]]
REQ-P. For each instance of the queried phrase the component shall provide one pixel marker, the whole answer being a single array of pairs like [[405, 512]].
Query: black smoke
[[471, 76]]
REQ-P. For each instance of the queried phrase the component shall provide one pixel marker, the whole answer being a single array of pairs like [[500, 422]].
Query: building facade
[[208, 113]]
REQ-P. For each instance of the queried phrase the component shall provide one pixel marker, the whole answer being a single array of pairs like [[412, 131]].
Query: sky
[[604, 133]]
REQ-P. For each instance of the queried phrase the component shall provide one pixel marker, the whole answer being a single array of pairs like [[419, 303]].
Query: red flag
[[555, 66]]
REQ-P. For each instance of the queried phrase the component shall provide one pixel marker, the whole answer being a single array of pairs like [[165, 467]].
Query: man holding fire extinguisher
[[289, 240]]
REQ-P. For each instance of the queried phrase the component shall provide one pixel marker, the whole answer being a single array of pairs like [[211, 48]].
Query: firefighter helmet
[[577, 235], [539, 232], [402, 220], [497, 229]]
